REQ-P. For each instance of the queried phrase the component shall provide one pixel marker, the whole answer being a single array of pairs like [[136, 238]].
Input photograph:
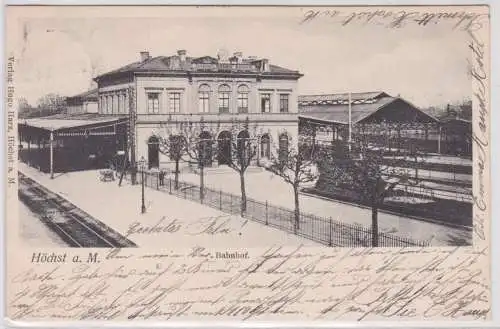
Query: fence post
[[220, 199], [170, 185], [330, 233], [267, 222], [185, 189], [158, 180]]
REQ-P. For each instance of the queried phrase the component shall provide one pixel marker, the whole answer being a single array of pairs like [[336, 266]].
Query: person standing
[[161, 175]]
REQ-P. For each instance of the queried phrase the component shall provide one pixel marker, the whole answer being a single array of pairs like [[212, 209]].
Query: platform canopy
[[72, 140], [87, 124], [373, 107]]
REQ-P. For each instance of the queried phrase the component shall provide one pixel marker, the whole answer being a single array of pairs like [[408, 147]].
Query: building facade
[[83, 103], [226, 97]]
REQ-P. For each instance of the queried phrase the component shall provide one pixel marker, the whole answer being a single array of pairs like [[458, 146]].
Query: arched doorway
[[243, 144], [265, 146], [205, 151], [153, 152], [224, 148], [283, 147]]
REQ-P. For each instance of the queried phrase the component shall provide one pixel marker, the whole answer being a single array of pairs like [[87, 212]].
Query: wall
[[189, 92], [74, 109], [119, 93], [164, 121], [86, 107], [91, 107], [145, 131]]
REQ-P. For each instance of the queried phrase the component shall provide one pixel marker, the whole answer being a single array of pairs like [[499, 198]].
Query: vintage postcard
[[202, 163]]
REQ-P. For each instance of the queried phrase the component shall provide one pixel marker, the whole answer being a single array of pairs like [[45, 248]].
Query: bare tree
[[200, 148], [24, 107], [51, 103], [297, 165], [173, 144], [242, 150]]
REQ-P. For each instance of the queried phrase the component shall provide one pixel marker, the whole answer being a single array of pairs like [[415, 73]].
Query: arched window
[[243, 92], [204, 99], [224, 96], [265, 146], [283, 147]]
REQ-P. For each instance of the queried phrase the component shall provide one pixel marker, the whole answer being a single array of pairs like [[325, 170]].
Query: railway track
[[73, 225]]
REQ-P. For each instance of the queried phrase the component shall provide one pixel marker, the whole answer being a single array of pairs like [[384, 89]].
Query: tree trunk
[[297, 208], [243, 194], [202, 183], [176, 176], [374, 225]]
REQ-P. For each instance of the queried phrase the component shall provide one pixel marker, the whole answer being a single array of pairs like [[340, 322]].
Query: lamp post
[[142, 166]]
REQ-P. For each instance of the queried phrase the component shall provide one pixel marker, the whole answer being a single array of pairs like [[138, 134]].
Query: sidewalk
[[169, 221], [264, 186]]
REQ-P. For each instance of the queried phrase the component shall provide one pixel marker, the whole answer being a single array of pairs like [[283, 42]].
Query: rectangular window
[[101, 108], [265, 103], [243, 103], [122, 103], [283, 103], [115, 103], [174, 100], [153, 102], [224, 102], [203, 102], [125, 103], [109, 106]]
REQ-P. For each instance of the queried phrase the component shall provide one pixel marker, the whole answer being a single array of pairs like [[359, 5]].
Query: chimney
[[239, 56], [144, 56], [182, 54]]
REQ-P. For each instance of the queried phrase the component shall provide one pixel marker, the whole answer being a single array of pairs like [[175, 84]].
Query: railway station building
[[216, 93]]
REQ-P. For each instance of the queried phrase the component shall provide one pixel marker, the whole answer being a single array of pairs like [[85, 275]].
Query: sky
[[60, 52]]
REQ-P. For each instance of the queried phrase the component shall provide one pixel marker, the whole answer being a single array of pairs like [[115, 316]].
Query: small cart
[[106, 175]]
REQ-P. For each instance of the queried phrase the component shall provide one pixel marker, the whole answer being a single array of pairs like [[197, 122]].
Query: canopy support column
[[439, 140], [51, 155], [29, 151]]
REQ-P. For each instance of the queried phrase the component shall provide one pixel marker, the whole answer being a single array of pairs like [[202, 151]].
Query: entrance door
[[153, 152], [224, 148]]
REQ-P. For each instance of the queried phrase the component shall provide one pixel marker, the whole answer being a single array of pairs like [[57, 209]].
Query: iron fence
[[326, 231]]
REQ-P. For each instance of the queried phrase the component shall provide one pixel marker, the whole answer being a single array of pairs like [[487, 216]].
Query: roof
[[65, 121], [173, 64], [343, 97], [87, 95], [456, 121], [334, 108]]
